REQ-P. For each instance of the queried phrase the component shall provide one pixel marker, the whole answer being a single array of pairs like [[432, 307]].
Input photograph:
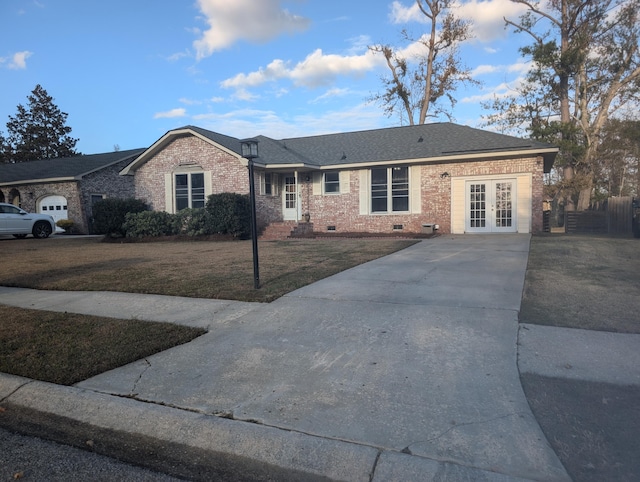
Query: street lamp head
[[249, 148]]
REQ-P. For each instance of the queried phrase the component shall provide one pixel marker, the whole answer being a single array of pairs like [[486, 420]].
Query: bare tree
[[418, 83], [586, 67]]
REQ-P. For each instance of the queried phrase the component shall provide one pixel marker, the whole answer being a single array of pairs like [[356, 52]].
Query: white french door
[[491, 206], [290, 198]]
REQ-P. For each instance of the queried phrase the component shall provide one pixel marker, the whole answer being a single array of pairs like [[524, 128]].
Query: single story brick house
[[66, 188], [393, 180]]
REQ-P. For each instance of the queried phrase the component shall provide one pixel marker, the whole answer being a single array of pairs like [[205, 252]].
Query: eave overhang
[[548, 155]]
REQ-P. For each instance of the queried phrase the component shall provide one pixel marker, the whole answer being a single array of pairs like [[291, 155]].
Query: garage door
[[54, 206]]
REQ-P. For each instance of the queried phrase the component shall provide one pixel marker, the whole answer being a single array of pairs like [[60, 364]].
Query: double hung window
[[189, 190], [390, 189], [332, 182]]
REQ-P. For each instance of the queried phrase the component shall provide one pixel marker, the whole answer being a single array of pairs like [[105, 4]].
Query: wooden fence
[[616, 218]]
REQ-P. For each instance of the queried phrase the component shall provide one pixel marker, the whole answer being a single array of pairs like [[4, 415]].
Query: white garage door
[[54, 206]]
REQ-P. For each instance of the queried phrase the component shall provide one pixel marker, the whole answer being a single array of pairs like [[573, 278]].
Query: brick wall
[[106, 183], [31, 194], [339, 210], [343, 210], [227, 172]]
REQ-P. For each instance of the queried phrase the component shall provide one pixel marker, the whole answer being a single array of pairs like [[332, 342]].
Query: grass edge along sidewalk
[[65, 348]]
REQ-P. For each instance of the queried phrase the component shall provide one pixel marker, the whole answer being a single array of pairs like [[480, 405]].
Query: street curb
[[203, 447], [186, 443]]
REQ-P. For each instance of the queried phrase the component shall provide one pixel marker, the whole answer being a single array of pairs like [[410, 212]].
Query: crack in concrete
[[375, 466], [16, 390], [133, 392], [407, 449]]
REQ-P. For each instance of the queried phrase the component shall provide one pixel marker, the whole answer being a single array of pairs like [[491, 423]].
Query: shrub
[[150, 223], [193, 222], [229, 213], [109, 215], [65, 224]]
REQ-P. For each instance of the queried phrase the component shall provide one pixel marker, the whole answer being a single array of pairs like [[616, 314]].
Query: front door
[[290, 198], [491, 206]]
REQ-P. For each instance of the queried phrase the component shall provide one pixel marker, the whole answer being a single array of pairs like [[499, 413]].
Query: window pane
[[379, 190], [182, 192], [331, 182], [267, 183], [197, 190], [400, 188]]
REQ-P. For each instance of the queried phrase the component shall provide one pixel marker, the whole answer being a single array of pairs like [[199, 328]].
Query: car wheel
[[41, 230]]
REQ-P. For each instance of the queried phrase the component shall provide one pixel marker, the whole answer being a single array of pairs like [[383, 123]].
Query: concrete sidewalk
[[404, 368]]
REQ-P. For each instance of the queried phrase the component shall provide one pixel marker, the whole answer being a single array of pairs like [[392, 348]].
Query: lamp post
[[250, 152]]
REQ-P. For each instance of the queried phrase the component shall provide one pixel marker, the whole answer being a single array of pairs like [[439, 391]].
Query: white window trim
[[170, 188], [324, 184], [263, 184], [389, 211]]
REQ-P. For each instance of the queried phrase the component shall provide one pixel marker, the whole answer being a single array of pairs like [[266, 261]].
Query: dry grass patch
[[588, 282], [66, 348], [200, 269]]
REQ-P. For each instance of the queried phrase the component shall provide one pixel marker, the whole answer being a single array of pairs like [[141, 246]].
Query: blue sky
[[128, 71]]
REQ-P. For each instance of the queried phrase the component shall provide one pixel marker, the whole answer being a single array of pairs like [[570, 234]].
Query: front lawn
[[66, 348], [199, 269]]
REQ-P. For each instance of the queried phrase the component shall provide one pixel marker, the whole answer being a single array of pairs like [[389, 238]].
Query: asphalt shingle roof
[[420, 142], [62, 168], [390, 144], [400, 143]]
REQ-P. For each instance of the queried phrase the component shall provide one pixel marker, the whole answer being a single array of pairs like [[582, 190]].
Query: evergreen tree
[[38, 131]]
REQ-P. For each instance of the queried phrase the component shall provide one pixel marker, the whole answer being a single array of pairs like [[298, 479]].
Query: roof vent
[[344, 156], [420, 139]]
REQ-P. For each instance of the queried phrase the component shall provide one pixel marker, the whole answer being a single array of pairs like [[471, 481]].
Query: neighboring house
[[66, 188], [394, 180]]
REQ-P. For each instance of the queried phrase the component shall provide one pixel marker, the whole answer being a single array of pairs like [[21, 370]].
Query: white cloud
[[485, 69], [505, 89], [486, 16], [186, 101], [18, 60], [359, 44], [252, 20], [330, 94], [402, 14], [170, 114], [315, 70], [320, 69], [248, 122], [520, 68], [179, 55]]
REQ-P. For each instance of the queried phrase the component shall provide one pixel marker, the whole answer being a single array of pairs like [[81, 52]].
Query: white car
[[20, 223]]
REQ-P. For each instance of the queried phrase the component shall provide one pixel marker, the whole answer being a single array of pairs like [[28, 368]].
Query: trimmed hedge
[[109, 215], [226, 213], [150, 223], [230, 213]]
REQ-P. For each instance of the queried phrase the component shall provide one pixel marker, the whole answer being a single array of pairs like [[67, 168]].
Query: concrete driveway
[[414, 352]]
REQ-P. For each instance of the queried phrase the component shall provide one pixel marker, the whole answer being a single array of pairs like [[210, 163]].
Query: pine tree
[[38, 131]]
